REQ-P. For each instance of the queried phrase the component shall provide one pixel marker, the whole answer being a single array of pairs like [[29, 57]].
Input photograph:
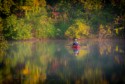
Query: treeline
[[27, 19]]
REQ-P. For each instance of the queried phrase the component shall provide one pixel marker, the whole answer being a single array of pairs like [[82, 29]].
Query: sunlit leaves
[[94, 12], [29, 2], [42, 3], [35, 3], [78, 30], [16, 29], [92, 4], [8, 25], [45, 28]]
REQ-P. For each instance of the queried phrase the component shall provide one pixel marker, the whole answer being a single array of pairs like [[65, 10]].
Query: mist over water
[[55, 62]]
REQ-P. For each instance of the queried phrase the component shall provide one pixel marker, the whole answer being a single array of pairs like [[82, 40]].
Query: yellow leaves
[[25, 71], [109, 31], [92, 4], [42, 3], [35, 78], [25, 7], [116, 31], [36, 3], [78, 30], [101, 26], [105, 31]]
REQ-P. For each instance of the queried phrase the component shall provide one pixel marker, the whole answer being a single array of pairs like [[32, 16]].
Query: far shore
[[61, 39]]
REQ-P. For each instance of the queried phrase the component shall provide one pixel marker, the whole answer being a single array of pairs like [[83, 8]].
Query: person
[[75, 47], [75, 43], [76, 52]]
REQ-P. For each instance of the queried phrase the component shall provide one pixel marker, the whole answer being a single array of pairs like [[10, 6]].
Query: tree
[[5, 7], [16, 29], [92, 4], [78, 30]]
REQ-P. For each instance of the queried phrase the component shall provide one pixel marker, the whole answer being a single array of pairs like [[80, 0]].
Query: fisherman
[[75, 47], [75, 43]]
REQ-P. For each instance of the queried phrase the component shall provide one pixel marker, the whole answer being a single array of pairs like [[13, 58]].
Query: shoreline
[[83, 39]]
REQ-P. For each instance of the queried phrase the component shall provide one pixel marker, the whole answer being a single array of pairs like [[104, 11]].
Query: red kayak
[[75, 46]]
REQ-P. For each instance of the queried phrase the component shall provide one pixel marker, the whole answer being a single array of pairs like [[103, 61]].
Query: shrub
[[61, 28], [23, 31], [16, 29], [78, 30], [45, 28]]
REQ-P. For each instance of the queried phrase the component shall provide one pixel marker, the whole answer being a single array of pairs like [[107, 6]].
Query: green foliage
[[1, 30], [9, 25], [78, 30], [20, 50], [42, 25], [16, 29], [45, 28], [29, 2], [42, 3], [92, 4], [61, 28], [95, 18], [34, 19], [23, 31], [5, 6]]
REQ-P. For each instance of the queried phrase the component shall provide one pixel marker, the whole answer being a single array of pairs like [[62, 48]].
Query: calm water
[[55, 62]]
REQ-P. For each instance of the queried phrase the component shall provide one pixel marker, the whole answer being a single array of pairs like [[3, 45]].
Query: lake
[[55, 62]]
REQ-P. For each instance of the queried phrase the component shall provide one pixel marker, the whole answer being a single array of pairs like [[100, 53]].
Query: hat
[[75, 39]]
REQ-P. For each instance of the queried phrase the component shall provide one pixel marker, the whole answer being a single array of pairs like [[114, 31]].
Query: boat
[[75, 46]]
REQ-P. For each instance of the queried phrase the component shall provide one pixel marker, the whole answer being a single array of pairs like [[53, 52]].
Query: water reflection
[[47, 62], [76, 52]]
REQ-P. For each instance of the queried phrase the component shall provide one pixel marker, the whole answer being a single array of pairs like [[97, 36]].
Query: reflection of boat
[[76, 49]]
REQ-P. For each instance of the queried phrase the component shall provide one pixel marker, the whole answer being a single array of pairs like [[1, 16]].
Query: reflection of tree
[[19, 52], [3, 48], [47, 62], [105, 47], [93, 76], [109, 47], [29, 60], [36, 64], [112, 48], [107, 56]]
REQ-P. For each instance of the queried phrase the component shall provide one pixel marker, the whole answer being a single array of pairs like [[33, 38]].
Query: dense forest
[[60, 19]]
